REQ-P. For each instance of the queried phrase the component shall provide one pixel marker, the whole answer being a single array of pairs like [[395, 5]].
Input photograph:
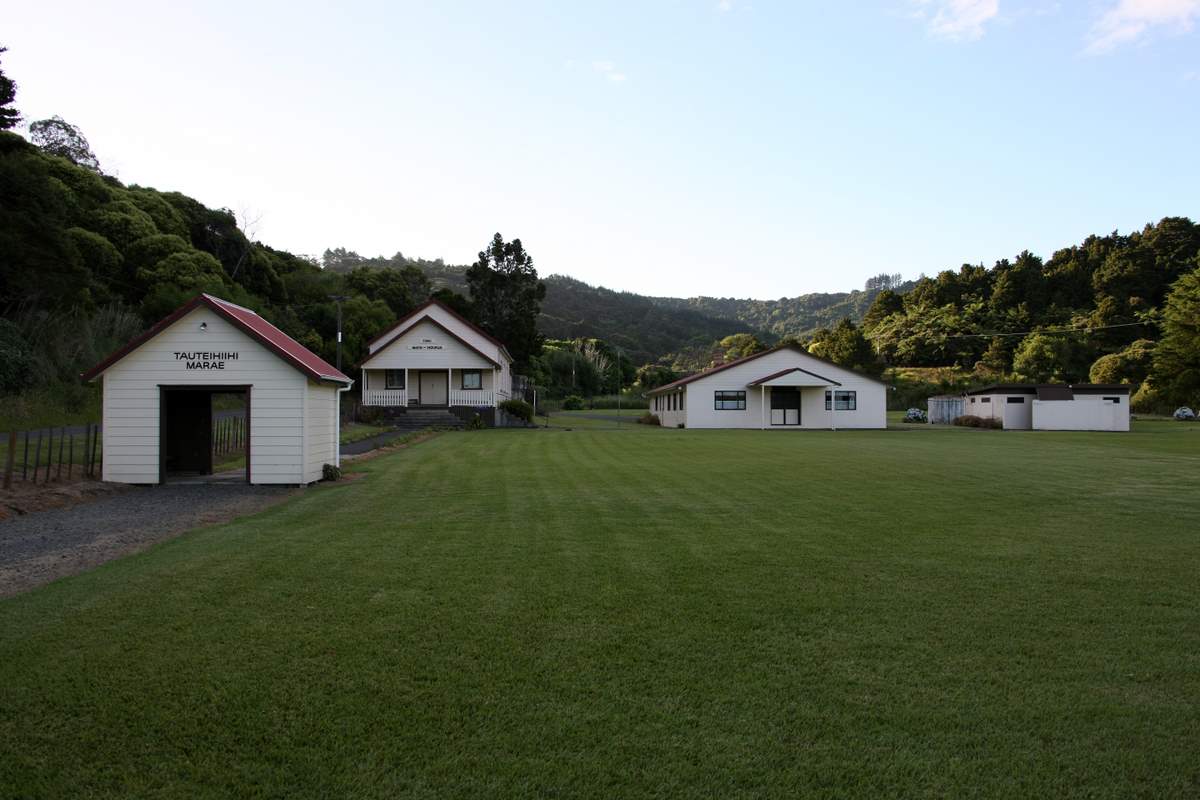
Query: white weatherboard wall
[[426, 346], [1087, 412], [871, 411], [320, 429], [277, 400]]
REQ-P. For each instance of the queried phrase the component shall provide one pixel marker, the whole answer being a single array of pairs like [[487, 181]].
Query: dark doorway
[[785, 406], [197, 434]]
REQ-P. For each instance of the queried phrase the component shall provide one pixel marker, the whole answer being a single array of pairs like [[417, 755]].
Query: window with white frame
[[393, 378], [729, 401], [472, 379], [842, 400]]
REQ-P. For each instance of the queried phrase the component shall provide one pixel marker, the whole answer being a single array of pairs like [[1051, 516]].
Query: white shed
[[158, 389]]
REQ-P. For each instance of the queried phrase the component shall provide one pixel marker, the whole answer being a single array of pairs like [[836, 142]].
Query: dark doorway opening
[[785, 406], [204, 433]]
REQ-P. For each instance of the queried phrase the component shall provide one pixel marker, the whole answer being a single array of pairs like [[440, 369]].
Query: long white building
[[786, 388]]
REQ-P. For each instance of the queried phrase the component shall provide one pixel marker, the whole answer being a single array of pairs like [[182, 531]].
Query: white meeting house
[[434, 358], [786, 388]]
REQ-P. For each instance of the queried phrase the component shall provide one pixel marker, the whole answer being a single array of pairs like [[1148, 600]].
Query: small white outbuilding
[[1052, 406], [158, 390]]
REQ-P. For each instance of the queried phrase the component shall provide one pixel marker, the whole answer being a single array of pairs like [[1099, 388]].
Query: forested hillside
[[1115, 308], [799, 316]]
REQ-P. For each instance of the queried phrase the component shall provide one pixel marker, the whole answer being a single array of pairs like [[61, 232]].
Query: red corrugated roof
[[250, 323]]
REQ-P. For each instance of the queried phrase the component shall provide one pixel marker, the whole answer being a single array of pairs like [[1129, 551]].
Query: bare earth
[[107, 521]]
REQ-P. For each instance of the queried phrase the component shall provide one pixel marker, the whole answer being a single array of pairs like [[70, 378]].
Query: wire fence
[[52, 454]]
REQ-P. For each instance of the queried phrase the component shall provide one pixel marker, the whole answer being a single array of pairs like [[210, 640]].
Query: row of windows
[[471, 379], [668, 402], [1020, 400], [736, 401]]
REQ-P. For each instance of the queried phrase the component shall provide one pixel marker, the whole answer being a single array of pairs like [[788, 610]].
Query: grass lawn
[[645, 613]]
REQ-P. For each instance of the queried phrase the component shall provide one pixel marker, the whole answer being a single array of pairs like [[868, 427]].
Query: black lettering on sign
[[205, 360]]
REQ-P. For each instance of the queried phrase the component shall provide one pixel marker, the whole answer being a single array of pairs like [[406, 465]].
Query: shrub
[[915, 415], [371, 415], [16, 359], [972, 421], [330, 472], [572, 403], [649, 419], [1184, 414], [518, 408], [476, 423]]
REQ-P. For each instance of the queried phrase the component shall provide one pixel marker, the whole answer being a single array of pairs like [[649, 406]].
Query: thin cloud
[[609, 70], [724, 6], [957, 20], [1132, 20]]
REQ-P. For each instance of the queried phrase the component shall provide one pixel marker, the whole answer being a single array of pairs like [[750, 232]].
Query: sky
[[669, 147]]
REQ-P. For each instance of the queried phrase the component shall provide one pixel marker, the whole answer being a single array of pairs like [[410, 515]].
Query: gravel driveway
[[40, 547]]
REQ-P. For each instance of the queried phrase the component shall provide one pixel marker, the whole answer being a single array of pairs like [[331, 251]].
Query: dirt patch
[[26, 498], [36, 548]]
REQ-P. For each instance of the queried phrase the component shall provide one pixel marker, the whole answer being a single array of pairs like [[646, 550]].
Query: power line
[[1047, 330]]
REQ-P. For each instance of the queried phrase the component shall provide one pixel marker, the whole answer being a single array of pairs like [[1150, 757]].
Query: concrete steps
[[417, 418]]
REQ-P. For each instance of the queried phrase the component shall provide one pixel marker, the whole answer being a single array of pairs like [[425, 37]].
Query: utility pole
[[338, 298], [618, 386]]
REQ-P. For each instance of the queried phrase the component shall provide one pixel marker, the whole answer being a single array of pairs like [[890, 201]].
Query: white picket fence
[[385, 397], [475, 398]]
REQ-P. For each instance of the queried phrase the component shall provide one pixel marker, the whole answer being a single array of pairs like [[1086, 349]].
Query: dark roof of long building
[[722, 367], [1038, 388]]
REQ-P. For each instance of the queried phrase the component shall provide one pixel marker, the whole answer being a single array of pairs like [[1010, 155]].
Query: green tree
[[1130, 365], [1046, 358], [401, 289], [739, 345], [846, 346], [58, 137], [9, 116], [362, 320], [506, 297], [16, 359], [886, 303], [651, 376], [998, 357], [1176, 372]]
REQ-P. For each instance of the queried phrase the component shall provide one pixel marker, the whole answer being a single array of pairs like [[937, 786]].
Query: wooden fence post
[[71, 457], [49, 454], [25, 459], [37, 457], [62, 434], [8, 459], [87, 442], [97, 461]]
